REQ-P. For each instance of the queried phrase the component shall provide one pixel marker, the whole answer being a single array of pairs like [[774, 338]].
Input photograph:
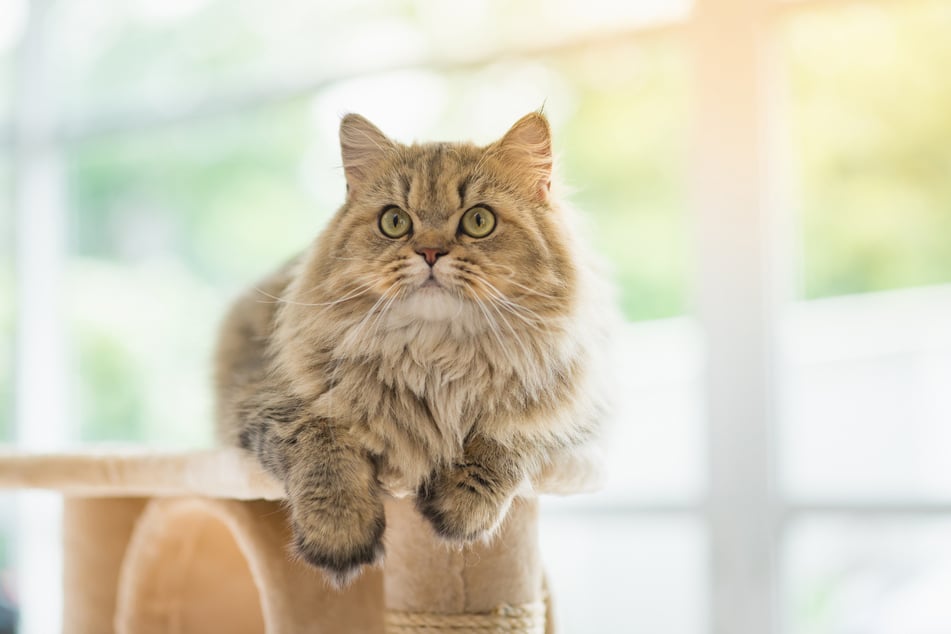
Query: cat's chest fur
[[417, 392]]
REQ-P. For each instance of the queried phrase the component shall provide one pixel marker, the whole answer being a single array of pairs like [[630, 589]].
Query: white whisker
[[513, 306], [354, 293], [510, 278]]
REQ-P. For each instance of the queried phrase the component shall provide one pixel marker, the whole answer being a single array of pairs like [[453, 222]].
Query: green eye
[[395, 223], [478, 222]]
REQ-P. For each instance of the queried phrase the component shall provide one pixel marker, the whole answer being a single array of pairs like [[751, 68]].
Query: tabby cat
[[442, 337]]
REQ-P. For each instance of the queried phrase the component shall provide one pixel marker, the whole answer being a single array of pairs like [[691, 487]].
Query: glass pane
[[168, 226], [866, 405], [869, 110], [845, 576], [625, 152], [617, 573], [867, 400], [654, 449], [117, 54]]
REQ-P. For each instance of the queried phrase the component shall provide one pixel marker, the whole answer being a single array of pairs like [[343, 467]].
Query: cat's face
[[444, 231]]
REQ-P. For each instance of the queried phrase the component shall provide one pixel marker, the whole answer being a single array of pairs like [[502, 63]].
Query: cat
[[444, 336]]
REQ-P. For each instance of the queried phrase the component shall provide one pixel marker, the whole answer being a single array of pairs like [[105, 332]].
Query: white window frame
[[741, 255]]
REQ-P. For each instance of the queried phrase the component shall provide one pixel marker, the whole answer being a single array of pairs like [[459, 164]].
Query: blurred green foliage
[[224, 196], [624, 152], [871, 124], [112, 394], [199, 211]]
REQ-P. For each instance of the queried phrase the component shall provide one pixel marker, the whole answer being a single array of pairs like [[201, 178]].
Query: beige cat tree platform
[[196, 543]]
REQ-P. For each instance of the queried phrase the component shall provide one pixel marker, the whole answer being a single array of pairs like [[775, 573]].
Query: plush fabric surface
[[197, 542], [220, 473], [107, 472]]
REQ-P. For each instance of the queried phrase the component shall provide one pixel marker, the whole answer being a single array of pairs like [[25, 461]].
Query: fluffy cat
[[441, 337]]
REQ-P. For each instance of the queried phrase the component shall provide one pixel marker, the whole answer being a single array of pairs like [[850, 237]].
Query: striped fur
[[348, 378]]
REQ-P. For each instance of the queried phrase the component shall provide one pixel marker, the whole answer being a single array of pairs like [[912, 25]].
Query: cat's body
[[441, 337]]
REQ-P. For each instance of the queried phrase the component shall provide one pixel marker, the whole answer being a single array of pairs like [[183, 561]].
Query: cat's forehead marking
[[462, 187], [436, 167], [437, 183], [405, 184]]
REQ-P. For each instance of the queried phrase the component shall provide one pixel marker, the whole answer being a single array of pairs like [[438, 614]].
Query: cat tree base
[[196, 543]]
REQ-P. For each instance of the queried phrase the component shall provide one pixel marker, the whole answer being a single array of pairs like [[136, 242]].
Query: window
[[769, 180]]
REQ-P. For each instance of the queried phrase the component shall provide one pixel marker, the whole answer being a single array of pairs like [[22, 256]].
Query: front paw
[[461, 508], [340, 538]]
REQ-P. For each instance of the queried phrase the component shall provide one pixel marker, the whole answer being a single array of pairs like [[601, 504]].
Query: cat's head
[[451, 230]]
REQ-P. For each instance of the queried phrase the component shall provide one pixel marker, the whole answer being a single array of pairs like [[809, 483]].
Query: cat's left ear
[[362, 147], [527, 147]]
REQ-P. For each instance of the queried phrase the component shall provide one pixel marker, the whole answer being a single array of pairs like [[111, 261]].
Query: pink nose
[[431, 255]]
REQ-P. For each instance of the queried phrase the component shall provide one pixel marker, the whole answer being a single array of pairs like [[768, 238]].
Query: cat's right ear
[[362, 147]]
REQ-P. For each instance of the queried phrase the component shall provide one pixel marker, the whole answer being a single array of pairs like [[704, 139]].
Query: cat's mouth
[[431, 282]]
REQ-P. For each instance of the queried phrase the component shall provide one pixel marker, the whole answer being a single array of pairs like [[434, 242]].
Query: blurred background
[[770, 180]]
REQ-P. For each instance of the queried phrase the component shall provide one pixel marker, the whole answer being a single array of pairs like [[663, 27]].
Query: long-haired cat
[[441, 337]]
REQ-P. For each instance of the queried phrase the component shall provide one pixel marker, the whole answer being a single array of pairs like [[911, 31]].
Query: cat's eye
[[478, 222], [395, 223]]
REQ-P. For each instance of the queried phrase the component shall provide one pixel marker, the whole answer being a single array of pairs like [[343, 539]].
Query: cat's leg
[[335, 500], [468, 500]]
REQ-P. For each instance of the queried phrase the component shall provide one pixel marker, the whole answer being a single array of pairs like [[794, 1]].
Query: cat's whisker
[[359, 259], [510, 278], [494, 329], [531, 323], [494, 324], [355, 332], [357, 293], [516, 338], [525, 314], [531, 291], [277, 300], [373, 318], [354, 293], [513, 306], [378, 320], [497, 301], [338, 363]]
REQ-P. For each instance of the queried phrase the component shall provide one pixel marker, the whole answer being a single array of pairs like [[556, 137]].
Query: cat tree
[[193, 543]]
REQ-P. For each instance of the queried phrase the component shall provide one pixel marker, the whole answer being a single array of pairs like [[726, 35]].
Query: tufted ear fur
[[527, 148], [362, 147]]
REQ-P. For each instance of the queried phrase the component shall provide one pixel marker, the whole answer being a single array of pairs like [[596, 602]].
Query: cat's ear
[[527, 148], [362, 147]]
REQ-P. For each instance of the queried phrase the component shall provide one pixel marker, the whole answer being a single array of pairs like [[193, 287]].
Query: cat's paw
[[461, 508], [342, 541]]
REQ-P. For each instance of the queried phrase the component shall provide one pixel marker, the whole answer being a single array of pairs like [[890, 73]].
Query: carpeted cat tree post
[[198, 542]]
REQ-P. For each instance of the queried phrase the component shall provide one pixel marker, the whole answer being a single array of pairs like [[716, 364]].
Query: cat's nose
[[431, 255]]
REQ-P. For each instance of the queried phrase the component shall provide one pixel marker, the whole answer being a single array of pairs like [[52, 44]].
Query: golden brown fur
[[350, 372]]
